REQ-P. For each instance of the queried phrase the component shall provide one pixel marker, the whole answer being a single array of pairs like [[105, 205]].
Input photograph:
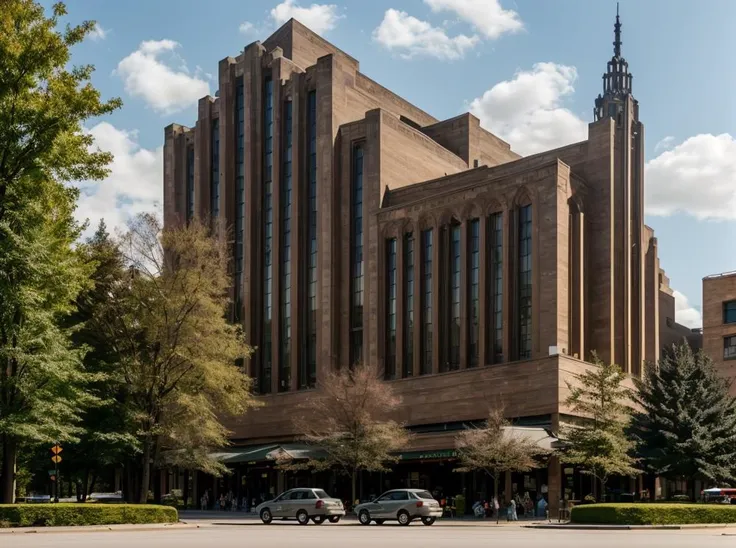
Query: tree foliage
[[348, 418], [495, 450], [43, 105], [178, 355], [687, 423], [599, 444], [108, 427]]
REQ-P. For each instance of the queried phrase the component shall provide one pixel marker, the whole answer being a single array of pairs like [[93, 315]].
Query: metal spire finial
[[617, 33]]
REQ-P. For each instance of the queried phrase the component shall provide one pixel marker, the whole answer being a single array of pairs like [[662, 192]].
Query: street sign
[[52, 472], [56, 449], [56, 459]]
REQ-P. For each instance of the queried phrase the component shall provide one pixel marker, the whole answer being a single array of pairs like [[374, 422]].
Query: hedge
[[652, 514], [54, 515]]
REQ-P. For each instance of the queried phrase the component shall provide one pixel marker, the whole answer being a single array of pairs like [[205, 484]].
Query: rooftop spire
[[617, 34]]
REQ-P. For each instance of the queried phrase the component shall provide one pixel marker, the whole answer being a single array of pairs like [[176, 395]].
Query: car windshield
[[424, 495], [321, 494]]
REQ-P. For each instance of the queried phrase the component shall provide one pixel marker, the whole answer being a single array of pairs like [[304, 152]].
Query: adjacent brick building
[[719, 323], [364, 229]]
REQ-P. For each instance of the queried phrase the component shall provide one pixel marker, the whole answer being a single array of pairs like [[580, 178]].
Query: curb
[[582, 527], [97, 528]]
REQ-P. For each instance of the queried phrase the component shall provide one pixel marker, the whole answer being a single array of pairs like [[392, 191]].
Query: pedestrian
[[511, 511]]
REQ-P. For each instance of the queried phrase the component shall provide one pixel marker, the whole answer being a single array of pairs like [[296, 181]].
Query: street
[[442, 535]]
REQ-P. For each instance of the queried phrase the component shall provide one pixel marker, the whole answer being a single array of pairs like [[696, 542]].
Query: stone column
[[554, 486]]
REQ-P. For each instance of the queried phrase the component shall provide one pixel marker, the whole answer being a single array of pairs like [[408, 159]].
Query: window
[[427, 245], [308, 363], [474, 296], [390, 366], [356, 263], [239, 194], [497, 287], [190, 183], [409, 305], [729, 348], [525, 282], [215, 168], [285, 360], [266, 356], [729, 312], [455, 269]]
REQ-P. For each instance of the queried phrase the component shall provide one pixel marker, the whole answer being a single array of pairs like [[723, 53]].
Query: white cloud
[[165, 85], [135, 183], [486, 16], [664, 144], [411, 37], [697, 177], [98, 33], [527, 110], [685, 313], [320, 18], [247, 28]]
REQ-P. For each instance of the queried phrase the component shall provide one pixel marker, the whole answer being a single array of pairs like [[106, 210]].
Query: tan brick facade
[[719, 324], [511, 324]]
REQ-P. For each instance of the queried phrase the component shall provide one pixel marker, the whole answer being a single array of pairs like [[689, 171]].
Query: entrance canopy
[[268, 453]]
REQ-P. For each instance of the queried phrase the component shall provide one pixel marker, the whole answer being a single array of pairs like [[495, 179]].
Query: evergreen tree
[[686, 425], [43, 105], [108, 426], [599, 444]]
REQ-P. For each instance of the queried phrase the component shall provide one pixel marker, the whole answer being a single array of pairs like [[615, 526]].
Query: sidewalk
[[97, 528]]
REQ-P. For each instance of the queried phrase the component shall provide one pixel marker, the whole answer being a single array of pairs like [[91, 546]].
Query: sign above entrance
[[429, 455]]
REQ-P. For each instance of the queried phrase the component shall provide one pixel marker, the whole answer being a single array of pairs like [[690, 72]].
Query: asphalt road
[[254, 535]]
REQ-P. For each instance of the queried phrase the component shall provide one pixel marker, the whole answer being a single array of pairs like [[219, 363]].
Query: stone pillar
[[400, 302]]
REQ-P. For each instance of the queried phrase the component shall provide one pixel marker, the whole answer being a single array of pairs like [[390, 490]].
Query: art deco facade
[[719, 323], [364, 229]]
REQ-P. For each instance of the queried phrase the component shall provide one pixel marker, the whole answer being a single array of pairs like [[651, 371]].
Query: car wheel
[[364, 517], [428, 521], [302, 517], [318, 520], [404, 518], [334, 519], [266, 516], [380, 521]]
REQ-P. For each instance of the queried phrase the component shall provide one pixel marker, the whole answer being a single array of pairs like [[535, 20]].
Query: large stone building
[[719, 323], [365, 229]]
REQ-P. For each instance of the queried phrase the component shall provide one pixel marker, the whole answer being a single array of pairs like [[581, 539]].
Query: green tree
[[43, 105], [108, 427], [599, 444], [348, 418], [178, 355], [686, 425], [495, 450]]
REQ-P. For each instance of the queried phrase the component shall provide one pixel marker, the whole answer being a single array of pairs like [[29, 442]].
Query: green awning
[[254, 454]]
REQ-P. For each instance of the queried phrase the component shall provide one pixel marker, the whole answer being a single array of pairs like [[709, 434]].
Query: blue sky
[[529, 69]]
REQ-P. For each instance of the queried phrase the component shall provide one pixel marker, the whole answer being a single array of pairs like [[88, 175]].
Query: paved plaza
[[442, 535]]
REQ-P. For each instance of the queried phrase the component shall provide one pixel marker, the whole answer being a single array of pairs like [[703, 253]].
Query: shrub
[[681, 498], [652, 514], [34, 515]]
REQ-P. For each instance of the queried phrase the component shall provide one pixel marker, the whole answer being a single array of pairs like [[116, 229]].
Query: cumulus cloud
[[665, 144], [528, 112], [321, 18], [135, 183], [155, 73], [696, 177], [411, 37], [685, 313], [486, 16], [98, 33]]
